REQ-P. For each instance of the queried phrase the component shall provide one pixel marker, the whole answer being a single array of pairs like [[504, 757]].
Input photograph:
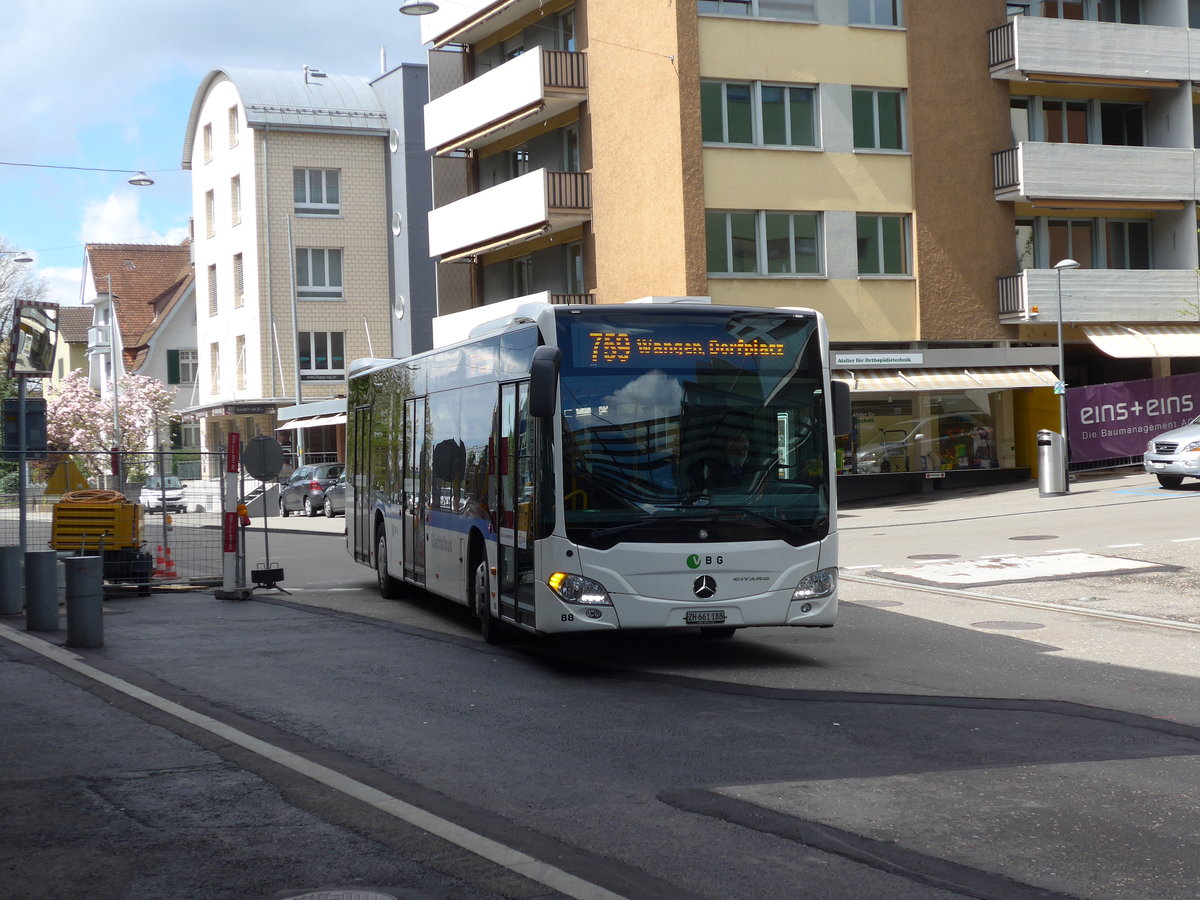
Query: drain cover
[[1008, 626], [1034, 537], [352, 894]]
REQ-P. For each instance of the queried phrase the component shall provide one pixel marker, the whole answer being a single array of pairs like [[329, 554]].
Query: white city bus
[[565, 469]]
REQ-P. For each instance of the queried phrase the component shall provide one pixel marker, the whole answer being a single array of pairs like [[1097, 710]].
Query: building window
[[235, 199], [322, 356], [792, 10], [317, 192], [570, 138], [210, 212], [239, 293], [1128, 244], [1027, 244], [875, 12], [522, 276], [318, 274], [566, 31], [883, 245], [1072, 239], [763, 243], [1128, 12], [878, 119], [233, 126], [575, 269], [240, 350], [181, 366], [212, 290], [757, 113], [208, 142], [214, 362]]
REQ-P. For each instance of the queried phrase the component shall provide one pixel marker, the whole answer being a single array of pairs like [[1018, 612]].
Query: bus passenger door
[[517, 503], [415, 500], [360, 513]]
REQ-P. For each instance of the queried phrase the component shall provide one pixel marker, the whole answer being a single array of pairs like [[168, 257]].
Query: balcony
[[469, 21], [1099, 295], [99, 337], [1092, 174], [532, 205], [529, 89], [1063, 50]]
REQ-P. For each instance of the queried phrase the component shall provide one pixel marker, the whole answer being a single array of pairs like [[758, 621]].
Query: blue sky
[[110, 85]]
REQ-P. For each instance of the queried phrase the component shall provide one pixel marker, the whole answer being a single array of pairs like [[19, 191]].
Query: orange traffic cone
[[169, 572], [160, 570]]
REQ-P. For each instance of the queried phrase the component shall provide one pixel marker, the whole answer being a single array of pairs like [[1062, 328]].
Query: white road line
[[1184, 540], [1071, 550], [872, 566], [1122, 546], [522, 864]]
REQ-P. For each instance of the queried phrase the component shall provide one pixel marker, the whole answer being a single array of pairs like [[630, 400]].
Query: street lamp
[[19, 256], [418, 7], [1061, 387]]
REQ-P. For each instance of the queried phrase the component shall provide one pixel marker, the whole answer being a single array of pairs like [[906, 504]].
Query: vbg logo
[[693, 561], [696, 560]]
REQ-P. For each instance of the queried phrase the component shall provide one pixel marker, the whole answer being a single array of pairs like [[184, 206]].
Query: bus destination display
[[618, 348]]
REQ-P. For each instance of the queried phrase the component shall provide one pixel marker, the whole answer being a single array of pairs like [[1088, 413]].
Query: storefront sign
[[846, 360], [1106, 421], [248, 409]]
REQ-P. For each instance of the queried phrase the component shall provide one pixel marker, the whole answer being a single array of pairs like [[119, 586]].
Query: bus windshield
[[711, 420]]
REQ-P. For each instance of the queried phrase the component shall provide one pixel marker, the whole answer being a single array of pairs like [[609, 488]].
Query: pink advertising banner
[[1105, 421]]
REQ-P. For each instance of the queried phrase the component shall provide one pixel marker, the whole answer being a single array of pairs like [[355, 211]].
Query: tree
[[79, 420]]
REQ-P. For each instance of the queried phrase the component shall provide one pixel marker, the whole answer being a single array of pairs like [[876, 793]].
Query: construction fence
[[151, 516]]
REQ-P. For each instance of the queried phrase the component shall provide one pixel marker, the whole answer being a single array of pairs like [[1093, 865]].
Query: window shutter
[[172, 367]]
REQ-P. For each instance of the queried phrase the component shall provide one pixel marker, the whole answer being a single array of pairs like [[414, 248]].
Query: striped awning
[[1145, 341], [905, 380], [313, 422]]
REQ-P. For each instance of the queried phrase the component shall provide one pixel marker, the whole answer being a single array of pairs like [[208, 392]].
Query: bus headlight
[[817, 585], [577, 589]]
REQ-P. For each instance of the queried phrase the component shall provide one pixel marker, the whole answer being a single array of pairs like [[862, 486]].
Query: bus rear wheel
[[389, 587]]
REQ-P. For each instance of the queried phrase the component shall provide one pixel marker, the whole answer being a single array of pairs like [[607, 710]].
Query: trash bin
[[1052, 466]]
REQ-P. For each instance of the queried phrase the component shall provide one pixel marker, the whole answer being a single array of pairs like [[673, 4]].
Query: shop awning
[[313, 422], [904, 380], [1145, 341]]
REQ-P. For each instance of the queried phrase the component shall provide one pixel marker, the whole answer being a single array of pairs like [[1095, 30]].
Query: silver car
[[1174, 455], [163, 491]]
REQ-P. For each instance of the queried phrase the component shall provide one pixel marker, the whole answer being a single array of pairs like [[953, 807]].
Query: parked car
[[335, 497], [305, 490], [1174, 455], [948, 441], [159, 488]]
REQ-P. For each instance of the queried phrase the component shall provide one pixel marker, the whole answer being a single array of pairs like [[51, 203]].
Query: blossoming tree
[[79, 420]]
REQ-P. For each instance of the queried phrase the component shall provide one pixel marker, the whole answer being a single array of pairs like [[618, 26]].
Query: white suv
[[1174, 455]]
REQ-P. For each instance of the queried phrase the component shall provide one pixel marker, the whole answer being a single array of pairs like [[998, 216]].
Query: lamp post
[[1061, 387]]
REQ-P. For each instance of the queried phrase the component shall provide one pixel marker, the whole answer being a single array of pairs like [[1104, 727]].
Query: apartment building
[[309, 192], [818, 153]]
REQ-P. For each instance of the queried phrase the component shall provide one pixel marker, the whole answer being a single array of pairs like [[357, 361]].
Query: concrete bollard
[[85, 596], [41, 590], [12, 599]]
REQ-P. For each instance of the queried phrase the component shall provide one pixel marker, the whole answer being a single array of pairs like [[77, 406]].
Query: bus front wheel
[[494, 631], [389, 587]]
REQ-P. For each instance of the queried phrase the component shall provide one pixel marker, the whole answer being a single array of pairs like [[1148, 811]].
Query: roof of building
[[147, 279], [73, 323], [294, 101]]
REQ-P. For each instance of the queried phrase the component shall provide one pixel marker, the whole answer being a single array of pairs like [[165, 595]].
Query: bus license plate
[[704, 616]]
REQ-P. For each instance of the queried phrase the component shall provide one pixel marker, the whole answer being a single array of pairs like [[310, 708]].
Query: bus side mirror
[[842, 423], [543, 382]]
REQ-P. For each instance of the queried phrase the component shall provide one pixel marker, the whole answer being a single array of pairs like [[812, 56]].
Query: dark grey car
[[305, 490], [335, 498]]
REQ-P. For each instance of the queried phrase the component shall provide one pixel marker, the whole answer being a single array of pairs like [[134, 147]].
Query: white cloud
[[62, 285]]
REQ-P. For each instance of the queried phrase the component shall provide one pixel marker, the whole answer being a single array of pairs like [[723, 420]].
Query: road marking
[[1169, 624], [997, 569], [494, 851], [1184, 540], [1070, 550], [1122, 546]]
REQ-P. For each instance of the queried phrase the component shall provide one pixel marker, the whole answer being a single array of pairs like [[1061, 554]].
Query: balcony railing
[[1043, 48], [513, 212], [531, 88], [1035, 170], [1099, 295], [572, 299]]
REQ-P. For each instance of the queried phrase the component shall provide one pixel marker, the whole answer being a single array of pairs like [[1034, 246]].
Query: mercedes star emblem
[[704, 586]]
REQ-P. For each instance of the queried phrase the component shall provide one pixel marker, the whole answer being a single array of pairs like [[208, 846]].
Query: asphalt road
[[1005, 739]]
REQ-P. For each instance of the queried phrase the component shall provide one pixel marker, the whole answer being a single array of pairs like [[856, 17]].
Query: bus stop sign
[[262, 458]]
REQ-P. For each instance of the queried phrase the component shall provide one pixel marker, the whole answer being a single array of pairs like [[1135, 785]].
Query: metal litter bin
[[1052, 466]]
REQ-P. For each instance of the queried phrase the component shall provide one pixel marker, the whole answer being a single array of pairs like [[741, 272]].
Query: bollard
[[85, 595], [12, 598], [41, 590]]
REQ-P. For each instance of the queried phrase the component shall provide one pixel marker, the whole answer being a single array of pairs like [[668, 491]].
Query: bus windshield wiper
[[800, 532], [644, 519]]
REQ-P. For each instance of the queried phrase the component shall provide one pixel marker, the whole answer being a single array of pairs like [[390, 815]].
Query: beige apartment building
[[304, 190], [834, 154]]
